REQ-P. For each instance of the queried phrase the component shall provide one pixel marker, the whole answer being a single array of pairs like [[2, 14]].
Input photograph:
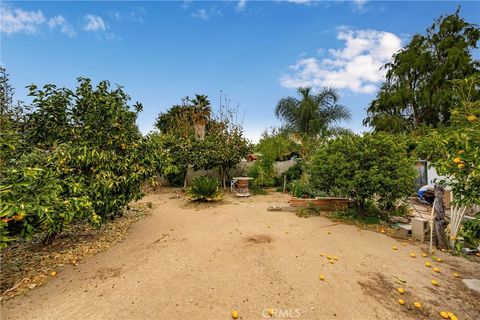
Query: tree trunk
[[361, 210], [224, 183], [440, 223], [185, 180], [49, 238]]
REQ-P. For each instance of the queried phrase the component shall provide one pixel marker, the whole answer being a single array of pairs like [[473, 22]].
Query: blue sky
[[255, 52]]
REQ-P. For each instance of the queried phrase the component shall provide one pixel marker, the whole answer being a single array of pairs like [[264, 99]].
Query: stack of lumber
[[323, 203]]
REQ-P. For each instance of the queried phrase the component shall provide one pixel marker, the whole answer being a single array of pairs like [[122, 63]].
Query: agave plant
[[205, 189]]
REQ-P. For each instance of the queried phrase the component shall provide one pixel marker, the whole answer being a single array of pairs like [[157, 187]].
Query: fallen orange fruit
[[234, 314]]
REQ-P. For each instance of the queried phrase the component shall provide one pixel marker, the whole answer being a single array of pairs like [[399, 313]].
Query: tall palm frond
[[313, 114]]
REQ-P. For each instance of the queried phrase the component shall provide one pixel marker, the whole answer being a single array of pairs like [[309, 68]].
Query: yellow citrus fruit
[[322, 277], [452, 316], [461, 151], [382, 231], [394, 248], [335, 258], [321, 254], [453, 238], [428, 264], [328, 257], [401, 301], [417, 304], [460, 166], [413, 255], [436, 269], [456, 275], [457, 160], [444, 315], [331, 261], [404, 243], [472, 118], [434, 282], [234, 314], [270, 312], [53, 273], [401, 290], [439, 260], [424, 254]]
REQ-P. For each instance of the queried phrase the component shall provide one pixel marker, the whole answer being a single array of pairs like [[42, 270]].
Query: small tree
[[454, 151], [364, 168]]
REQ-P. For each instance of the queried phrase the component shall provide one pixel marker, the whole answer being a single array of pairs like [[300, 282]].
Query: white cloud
[[134, 15], [61, 23], [201, 14], [300, 1], [355, 67], [20, 21], [359, 4], [94, 23], [241, 5]]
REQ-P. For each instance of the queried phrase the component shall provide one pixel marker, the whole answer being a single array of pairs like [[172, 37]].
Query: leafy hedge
[[372, 167], [71, 155]]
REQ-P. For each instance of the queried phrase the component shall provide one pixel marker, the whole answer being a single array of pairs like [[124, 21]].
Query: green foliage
[[205, 189], [418, 85], [470, 232], [277, 146], [364, 168], [192, 139], [77, 155], [263, 173], [313, 114], [454, 151]]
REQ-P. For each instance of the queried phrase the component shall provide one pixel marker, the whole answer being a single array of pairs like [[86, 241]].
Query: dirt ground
[[188, 261]]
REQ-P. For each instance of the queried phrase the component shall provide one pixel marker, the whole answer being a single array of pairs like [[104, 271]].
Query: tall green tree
[[417, 89], [314, 114]]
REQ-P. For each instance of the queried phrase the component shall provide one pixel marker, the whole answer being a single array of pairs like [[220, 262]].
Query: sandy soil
[[200, 262]]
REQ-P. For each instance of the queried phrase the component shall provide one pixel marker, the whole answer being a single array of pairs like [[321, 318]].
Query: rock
[[395, 219], [472, 284]]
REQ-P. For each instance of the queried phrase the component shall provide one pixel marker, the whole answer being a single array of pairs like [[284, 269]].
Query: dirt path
[[186, 262]]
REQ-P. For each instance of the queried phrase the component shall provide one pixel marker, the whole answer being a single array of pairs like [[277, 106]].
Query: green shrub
[[470, 232], [263, 173], [374, 167], [80, 156], [205, 189]]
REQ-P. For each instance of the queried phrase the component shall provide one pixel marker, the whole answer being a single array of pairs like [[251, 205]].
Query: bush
[[77, 155], [373, 167], [263, 173], [205, 189], [470, 232]]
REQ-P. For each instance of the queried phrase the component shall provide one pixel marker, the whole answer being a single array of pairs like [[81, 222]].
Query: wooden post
[[431, 225], [440, 221]]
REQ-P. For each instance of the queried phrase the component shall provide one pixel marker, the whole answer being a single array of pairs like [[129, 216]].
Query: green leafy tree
[[82, 157], [224, 147], [314, 114], [417, 89], [363, 168]]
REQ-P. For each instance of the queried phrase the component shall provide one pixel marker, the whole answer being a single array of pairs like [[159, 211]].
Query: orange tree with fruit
[[454, 151], [74, 155]]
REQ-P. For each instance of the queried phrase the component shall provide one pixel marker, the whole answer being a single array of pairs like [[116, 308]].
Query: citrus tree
[[81, 156], [454, 151], [372, 167]]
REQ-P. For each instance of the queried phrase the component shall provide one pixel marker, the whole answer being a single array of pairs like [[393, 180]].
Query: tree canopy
[[417, 89], [314, 114]]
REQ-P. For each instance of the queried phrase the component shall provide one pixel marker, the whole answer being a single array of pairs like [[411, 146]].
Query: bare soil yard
[[188, 261]]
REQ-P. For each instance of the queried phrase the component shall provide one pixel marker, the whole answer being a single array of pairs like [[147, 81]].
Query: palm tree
[[314, 114], [201, 114]]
